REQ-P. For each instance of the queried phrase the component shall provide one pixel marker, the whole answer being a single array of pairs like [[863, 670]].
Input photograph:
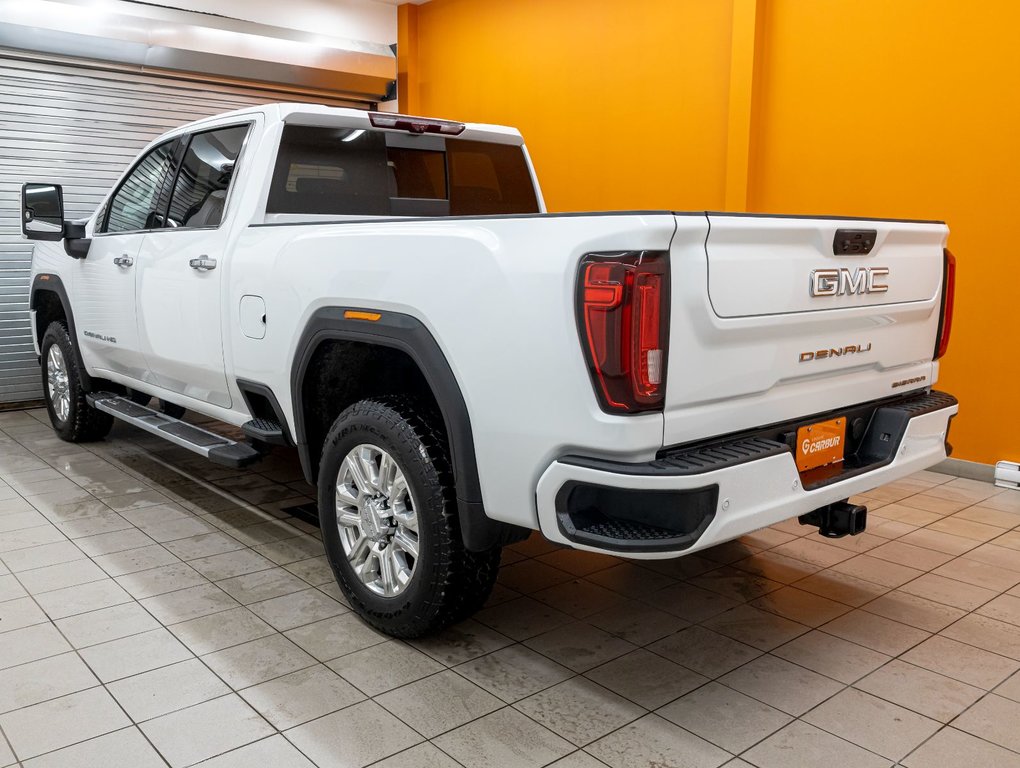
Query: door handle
[[203, 264], [124, 261]]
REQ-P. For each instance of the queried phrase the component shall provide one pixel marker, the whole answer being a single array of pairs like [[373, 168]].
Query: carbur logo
[[808, 447]]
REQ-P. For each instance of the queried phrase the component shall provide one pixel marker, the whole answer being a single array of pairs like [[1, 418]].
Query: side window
[[200, 191], [135, 204]]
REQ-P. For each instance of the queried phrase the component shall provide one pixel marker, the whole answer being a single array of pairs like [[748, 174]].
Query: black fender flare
[[407, 334], [48, 282]]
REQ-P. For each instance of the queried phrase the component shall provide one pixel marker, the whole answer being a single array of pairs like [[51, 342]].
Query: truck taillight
[[623, 315], [948, 294]]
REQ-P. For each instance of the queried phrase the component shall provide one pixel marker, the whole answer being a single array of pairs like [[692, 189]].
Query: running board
[[216, 448]]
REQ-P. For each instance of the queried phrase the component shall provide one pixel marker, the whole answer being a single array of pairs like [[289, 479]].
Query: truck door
[[104, 282], [181, 274]]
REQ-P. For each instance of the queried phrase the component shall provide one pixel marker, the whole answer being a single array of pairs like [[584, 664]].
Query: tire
[[445, 582], [72, 417]]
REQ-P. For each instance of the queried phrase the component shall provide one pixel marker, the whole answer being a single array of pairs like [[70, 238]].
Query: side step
[[216, 448], [266, 430]]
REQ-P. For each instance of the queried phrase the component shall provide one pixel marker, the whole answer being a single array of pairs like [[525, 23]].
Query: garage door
[[80, 127]]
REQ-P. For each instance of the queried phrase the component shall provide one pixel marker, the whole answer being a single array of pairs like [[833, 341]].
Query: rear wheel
[[389, 521], [72, 417]]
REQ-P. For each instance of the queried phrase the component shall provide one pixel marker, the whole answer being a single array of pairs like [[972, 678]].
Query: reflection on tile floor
[[159, 610]]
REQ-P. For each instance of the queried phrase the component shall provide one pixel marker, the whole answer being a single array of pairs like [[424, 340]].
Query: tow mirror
[[42, 211], [42, 218]]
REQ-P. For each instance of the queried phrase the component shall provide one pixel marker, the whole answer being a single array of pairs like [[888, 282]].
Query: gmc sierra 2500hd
[[457, 367]]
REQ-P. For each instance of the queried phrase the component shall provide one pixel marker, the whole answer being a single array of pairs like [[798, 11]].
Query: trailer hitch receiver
[[839, 519]]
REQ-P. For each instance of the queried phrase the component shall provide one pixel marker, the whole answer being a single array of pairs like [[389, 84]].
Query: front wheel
[[72, 417], [389, 521]]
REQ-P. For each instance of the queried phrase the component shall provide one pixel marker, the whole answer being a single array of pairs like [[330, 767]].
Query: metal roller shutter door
[[80, 126]]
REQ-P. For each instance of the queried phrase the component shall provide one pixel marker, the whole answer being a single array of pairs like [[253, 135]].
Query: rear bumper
[[694, 498]]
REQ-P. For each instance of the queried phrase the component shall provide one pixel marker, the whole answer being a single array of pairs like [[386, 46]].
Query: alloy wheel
[[57, 383], [377, 520]]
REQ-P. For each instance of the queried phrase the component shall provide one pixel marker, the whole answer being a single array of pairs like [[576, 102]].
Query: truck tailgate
[[775, 318], [764, 266]]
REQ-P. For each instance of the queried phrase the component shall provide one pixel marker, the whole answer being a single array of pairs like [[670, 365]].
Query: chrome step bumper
[[691, 498]]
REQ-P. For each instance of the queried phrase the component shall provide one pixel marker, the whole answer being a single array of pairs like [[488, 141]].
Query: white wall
[[353, 19], [331, 45]]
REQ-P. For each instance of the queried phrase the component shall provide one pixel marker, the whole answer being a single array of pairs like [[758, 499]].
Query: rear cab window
[[353, 172]]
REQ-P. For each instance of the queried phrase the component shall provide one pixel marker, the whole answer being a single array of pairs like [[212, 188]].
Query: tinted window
[[417, 173], [135, 205], [488, 179], [330, 170], [343, 171], [200, 191]]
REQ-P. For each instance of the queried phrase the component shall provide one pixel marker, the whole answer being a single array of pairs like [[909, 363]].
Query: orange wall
[[920, 117], [583, 81], [863, 107]]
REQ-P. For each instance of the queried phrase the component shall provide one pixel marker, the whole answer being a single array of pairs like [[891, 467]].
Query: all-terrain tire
[[75, 420], [448, 582]]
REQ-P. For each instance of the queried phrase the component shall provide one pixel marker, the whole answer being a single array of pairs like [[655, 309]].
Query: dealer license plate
[[821, 444]]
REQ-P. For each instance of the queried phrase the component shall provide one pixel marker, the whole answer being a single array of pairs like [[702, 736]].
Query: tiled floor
[[156, 609]]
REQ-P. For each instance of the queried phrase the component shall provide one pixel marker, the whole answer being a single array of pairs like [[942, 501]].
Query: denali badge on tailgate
[[822, 354]]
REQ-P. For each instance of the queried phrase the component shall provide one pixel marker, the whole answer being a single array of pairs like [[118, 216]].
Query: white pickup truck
[[457, 367]]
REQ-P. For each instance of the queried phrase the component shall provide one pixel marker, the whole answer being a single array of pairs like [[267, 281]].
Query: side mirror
[[42, 211]]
